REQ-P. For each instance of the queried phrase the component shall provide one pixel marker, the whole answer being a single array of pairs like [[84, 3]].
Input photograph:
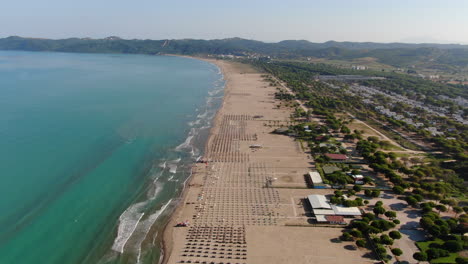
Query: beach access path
[[245, 204]]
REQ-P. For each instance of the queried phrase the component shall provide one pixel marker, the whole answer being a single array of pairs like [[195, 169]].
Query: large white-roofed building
[[321, 208]]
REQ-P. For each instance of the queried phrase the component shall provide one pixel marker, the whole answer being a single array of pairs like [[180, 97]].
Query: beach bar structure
[[321, 208], [315, 180]]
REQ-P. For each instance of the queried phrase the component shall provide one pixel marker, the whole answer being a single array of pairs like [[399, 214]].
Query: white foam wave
[[173, 168], [145, 225], [128, 223], [201, 116], [186, 143], [215, 92]]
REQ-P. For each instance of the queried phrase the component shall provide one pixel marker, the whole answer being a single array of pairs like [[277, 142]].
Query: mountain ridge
[[396, 54]]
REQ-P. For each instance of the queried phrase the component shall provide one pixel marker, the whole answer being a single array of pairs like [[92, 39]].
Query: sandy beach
[[245, 204]]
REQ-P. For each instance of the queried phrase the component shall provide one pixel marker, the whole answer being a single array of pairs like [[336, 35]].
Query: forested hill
[[396, 54]]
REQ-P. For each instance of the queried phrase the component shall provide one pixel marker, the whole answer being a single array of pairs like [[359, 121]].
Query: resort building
[[322, 209]]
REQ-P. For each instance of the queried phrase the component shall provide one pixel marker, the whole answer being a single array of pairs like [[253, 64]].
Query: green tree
[[433, 253], [453, 245], [346, 237], [461, 260], [385, 239], [357, 188], [411, 200], [421, 256], [397, 251], [378, 210], [457, 209], [360, 243], [441, 208], [395, 234], [390, 214], [398, 190], [356, 233], [368, 193]]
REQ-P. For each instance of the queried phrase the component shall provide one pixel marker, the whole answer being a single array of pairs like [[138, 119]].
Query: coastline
[[244, 203], [166, 242]]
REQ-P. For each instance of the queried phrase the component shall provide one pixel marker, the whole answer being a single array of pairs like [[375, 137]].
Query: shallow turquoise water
[[83, 137]]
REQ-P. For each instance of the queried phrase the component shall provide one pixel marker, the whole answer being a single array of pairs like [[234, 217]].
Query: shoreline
[[245, 203], [166, 241]]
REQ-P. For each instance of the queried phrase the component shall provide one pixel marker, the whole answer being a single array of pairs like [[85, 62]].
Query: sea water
[[94, 150]]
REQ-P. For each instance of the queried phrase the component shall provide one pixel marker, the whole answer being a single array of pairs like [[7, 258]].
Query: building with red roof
[[337, 157]]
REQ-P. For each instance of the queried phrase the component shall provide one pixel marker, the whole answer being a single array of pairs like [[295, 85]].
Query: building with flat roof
[[318, 201], [315, 180], [346, 211], [322, 208], [329, 169]]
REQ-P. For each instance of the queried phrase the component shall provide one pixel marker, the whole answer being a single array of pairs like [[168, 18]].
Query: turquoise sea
[[94, 151]]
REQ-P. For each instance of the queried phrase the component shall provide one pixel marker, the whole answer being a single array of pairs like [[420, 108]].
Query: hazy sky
[[267, 20]]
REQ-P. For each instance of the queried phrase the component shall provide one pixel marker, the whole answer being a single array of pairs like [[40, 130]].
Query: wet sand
[[245, 204]]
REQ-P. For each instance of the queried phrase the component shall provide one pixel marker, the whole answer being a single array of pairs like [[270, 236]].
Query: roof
[[357, 177], [334, 218], [336, 156], [315, 177], [323, 212], [321, 218], [319, 137], [341, 210], [330, 169], [318, 201], [281, 130]]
